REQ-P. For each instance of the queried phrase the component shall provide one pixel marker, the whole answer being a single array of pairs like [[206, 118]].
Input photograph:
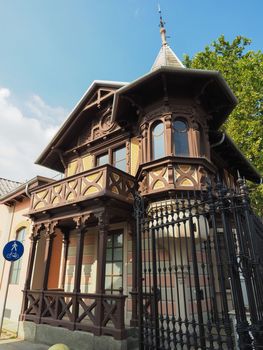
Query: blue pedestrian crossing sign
[[13, 250]]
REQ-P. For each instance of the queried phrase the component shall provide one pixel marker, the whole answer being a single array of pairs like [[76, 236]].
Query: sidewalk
[[18, 344]]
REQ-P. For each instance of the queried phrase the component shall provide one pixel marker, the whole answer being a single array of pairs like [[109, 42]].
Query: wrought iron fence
[[200, 271]]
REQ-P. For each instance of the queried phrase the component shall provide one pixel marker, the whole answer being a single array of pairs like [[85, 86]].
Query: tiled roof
[[7, 186], [166, 57]]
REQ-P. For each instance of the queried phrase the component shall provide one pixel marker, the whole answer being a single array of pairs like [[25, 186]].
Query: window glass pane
[[180, 126], [120, 154], [108, 269], [119, 158], [117, 254], [13, 278], [21, 235], [108, 282], [158, 141], [109, 254], [118, 240], [117, 268], [102, 159], [117, 282], [109, 241], [180, 138]]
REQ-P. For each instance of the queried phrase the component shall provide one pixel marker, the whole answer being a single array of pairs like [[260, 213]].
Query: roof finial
[[162, 29]]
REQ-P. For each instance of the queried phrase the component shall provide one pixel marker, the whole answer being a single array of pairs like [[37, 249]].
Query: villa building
[[157, 137]]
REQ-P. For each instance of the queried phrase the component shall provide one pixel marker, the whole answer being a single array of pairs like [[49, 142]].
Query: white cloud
[[23, 137], [43, 112]]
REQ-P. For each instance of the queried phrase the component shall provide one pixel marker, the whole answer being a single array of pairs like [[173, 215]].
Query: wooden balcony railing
[[100, 314], [169, 173], [104, 180]]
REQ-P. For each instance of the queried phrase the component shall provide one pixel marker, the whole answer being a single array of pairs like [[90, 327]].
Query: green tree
[[243, 70]]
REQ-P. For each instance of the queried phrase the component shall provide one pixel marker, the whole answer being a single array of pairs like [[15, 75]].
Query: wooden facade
[[156, 135]]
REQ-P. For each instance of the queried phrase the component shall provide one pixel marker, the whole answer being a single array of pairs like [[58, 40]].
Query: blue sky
[[51, 51]]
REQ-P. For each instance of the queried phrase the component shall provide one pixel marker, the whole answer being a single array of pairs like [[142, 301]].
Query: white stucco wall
[[13, 219]]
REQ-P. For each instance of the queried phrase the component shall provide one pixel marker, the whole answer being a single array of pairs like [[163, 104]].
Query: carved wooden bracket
[[81, 220], [50, 228]]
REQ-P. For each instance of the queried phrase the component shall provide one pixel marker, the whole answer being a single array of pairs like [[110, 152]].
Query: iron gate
[[199, 271]]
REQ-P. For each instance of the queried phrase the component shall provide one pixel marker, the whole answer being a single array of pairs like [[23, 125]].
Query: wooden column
[[31, 259], [50, 235], [80, 229], [168, 135], [103, 223], [65, 242], [195, 147], [101, 265], [34, 238], [134, 292], [144, 138]]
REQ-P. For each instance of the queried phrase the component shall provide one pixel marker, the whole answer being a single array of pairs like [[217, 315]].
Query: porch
[[82, 265]]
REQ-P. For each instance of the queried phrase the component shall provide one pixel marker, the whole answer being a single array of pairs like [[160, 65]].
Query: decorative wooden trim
[[82, 187], [55, 308]]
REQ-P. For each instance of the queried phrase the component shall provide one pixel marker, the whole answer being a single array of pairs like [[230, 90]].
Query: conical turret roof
[[166, 57]]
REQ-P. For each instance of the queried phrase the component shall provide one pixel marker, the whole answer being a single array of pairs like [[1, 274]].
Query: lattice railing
[[104, 180], [96, 313]]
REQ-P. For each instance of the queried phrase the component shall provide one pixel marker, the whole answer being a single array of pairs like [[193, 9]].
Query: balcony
[[103, 181], [170, 173]]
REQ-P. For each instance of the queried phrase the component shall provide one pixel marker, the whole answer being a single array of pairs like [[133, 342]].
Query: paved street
[[20, 345]]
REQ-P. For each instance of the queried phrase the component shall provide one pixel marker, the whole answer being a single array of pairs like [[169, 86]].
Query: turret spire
[[166, 56]]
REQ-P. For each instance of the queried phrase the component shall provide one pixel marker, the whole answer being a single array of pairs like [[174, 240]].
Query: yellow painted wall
[[87, 162], [81, 164], [134, 155], [72, 168]]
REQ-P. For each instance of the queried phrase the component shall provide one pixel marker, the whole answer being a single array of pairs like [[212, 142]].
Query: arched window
[[16, 265], [158, 141], [180, 138]]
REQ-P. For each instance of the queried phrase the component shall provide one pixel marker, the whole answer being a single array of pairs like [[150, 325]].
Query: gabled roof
[[50, 156], [166, 57], [7, 186]]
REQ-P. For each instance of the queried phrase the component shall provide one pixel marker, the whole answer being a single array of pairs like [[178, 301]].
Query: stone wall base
[[75, 340]]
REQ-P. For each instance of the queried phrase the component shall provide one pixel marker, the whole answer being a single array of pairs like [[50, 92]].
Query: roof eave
[[209, 73], [22, 188]]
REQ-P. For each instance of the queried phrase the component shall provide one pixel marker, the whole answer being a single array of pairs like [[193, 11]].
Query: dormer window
[[180, 138], [158, 148]]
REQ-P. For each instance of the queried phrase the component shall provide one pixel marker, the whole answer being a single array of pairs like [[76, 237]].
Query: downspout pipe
[[27, 191], [219, 142]]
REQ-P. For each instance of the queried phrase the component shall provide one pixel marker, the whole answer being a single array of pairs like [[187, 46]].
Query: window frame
[[153, 127], [112, 233], [110, 154], [187, 133], [16, 266]]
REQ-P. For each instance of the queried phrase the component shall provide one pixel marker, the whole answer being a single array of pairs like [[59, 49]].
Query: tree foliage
[[243, 70]]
